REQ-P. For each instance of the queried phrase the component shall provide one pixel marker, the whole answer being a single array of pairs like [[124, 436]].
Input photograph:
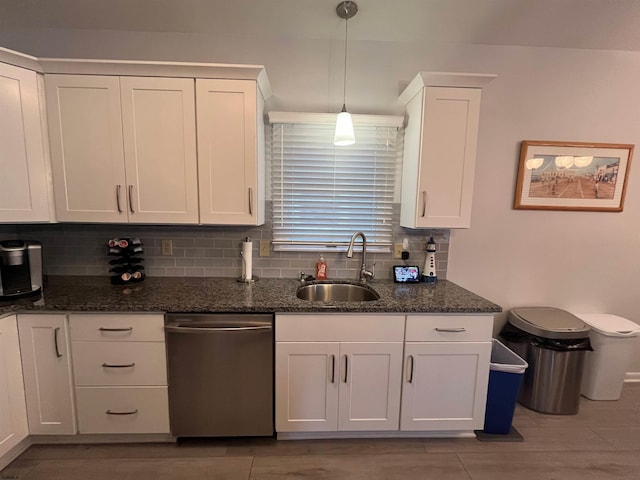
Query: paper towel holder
[[242, 278]]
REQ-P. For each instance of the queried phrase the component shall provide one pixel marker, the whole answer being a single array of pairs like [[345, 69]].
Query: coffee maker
[[20, 268]]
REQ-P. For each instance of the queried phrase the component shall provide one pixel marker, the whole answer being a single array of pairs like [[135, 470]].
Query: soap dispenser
[[321, 269]]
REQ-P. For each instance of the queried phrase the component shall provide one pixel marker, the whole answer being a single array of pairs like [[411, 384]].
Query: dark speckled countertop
[[196, 294]]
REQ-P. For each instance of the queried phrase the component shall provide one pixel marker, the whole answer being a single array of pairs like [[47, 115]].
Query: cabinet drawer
[[119, 363], [122, 409], [339, 328], [112, 327], [449, 328]]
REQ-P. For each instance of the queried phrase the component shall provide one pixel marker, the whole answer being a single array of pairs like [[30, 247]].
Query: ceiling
[[584, 24]]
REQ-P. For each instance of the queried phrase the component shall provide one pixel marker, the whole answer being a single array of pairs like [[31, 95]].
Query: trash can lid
[[610, 325], [548, 322]]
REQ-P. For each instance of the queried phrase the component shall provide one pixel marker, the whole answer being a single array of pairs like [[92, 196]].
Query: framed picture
[[572, 176]]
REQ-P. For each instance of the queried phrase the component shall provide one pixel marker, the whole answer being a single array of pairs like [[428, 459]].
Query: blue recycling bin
[[505, 377]]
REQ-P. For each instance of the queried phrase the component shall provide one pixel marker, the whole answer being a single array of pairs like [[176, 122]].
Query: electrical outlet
[[167, 247], [397, 250], [265, 248]]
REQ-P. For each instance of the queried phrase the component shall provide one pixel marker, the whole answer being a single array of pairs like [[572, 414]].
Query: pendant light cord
[[344, 87]]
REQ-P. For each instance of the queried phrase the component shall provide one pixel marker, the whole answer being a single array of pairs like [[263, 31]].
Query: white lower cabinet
[[120, 373], [446, 372], [46, 365], [338, 383], [13, 414], [346, 373]]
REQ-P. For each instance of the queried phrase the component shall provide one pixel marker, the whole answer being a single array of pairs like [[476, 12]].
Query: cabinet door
[[13, 415], [307, 382], [228, 156], [159, 128], [46, 363], [439, 158], [369, 396], [445, 385], [24, 186], [87, 158]]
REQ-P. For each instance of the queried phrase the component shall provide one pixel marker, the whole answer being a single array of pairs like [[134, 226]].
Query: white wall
[[580, 261]]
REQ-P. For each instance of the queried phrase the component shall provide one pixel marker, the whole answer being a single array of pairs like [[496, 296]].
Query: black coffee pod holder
[[127, 265]]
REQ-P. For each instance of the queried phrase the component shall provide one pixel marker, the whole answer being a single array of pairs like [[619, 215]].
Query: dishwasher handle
[[179, 329]]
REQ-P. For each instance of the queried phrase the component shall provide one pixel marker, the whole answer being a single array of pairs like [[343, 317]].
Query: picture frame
[[579, 176]]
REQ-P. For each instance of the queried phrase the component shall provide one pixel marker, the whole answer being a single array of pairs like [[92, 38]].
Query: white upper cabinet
[[87, 157], [24, 181], [441, 134], [123, 149], [230, 151], [158, 116]]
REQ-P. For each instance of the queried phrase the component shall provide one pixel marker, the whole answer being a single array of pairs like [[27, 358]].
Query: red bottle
[[321, 269]]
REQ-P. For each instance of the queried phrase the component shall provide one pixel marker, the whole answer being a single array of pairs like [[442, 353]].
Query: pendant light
[[344, 125]]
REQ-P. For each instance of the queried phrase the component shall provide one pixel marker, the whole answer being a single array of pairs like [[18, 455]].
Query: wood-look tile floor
[[602, 442]]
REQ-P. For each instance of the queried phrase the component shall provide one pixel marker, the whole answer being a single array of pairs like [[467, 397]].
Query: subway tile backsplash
[[208, 251]]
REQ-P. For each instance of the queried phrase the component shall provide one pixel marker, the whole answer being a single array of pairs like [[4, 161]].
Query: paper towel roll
[[247, 258]]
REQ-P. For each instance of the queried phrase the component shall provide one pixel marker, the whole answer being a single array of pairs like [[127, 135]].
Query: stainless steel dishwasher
[[220, 369]]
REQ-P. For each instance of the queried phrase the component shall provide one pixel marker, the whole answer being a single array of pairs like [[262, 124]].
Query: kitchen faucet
[[364, 273]]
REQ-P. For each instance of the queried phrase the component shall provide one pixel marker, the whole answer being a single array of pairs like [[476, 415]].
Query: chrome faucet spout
[[364, 273]]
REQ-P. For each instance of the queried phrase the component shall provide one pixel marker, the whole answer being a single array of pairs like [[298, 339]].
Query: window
[[321, 193]]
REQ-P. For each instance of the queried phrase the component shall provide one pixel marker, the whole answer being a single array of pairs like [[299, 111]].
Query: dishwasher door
[[220, 371]]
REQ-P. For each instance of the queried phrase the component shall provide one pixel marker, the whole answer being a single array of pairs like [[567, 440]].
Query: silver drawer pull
[[118, 187], [111, 412], [131, 199], [452, 330], [128, 365], [412, 367], [55, 341], [105, 329]]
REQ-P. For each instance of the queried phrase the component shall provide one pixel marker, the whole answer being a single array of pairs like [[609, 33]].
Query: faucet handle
[[368, 274]]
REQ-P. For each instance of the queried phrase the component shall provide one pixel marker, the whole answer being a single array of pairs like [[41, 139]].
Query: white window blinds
[[321, 193]]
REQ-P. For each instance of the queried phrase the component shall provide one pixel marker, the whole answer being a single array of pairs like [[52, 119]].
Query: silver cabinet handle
[[410, 371], [128, 365], [106, 329], [214, 329], [131, 199], [424, 203], [346, 368], [333, 369], [250, 201], [118, 188], [451, 330], [111, 412], [55, 341]]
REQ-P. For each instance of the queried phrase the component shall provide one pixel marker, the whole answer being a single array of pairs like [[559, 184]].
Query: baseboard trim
[[15, 452], [103, 438], [381, 434]]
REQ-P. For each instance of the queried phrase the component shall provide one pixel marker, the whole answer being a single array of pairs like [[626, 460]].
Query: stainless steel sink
[[337, 292]]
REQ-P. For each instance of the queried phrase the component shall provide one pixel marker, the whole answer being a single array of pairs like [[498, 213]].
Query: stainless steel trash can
[[554, 344]]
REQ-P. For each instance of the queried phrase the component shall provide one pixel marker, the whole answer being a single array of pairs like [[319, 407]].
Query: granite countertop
[[198, 294]]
